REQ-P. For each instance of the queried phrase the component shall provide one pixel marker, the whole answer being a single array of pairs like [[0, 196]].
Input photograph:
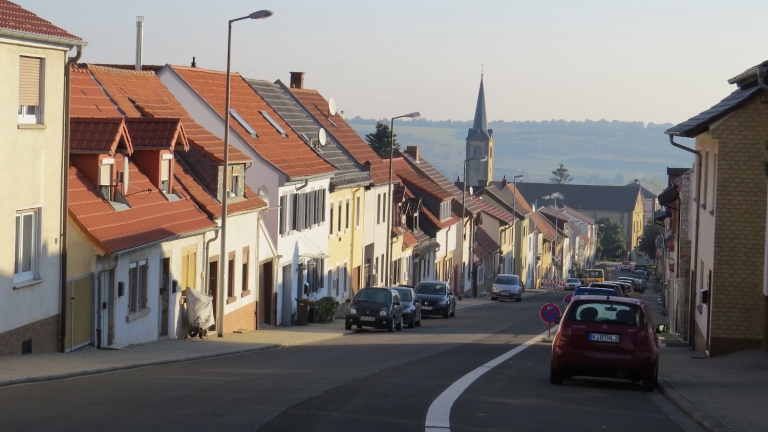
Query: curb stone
[[695, 413], [80, 373]]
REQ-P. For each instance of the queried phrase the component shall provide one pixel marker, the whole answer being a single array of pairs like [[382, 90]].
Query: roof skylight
[[274, 123], [243, 123]]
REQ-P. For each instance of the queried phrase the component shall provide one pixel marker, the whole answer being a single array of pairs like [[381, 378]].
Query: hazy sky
[[651, 61]]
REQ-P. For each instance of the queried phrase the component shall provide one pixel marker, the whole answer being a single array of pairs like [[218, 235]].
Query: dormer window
[[105, 178], [235, 173], [165, 173], [445, 210]]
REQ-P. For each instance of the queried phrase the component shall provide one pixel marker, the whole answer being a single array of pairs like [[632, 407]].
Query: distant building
[[479, 144]]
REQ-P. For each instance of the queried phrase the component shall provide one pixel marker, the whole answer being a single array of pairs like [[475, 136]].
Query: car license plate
[[597, 337], [427, 307], [367, 318]]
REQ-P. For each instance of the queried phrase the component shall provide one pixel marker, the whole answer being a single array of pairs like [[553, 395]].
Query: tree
[[560, 175], [610, 238], [380, 141], [648, 241]]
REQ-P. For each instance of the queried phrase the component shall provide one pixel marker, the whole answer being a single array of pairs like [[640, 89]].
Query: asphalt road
[[370, 381]]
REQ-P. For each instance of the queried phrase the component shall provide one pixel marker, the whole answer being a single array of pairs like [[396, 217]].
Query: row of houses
[[115, 176], [714, 213]]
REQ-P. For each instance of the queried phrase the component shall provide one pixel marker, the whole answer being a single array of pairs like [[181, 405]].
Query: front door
[[111, 297], [164, 295], [79, 312], [287, 295], [266, 289], [213, 280]]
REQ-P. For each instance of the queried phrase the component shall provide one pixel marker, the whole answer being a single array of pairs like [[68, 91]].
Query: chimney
[[504, 182], [139, 41], [367, 166], [297, 80], [413, 151], [194, 63]]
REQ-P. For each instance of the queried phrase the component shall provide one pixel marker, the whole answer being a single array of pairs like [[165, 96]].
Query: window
[[231, 275], [705, 180], [302, 211], [274, 124], [337, 282], [357, 212], [137, 283], [243, 123], [381, 273], [445, 210], [244, 285], [339, 217], [233, 174], [27, 246], [330, 226], [378, 208], [30, 79], [346, 220], [714, 183], [376, 267], [384, 207], [165, 175], [345, 276], [105, 178], [188, 267]]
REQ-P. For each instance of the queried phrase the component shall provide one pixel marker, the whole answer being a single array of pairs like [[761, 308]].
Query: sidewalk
[[725, 393], [89, 360]]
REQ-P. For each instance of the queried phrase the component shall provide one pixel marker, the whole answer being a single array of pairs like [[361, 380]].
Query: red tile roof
[[544, 226], [87, 99], [151, 218], [192, 187], [485, 245], [98, 135], [432, 219], [14, 17], [519, 198], [141, 93], [317, 106], [413, 180], [290, 153], [157, 133], [409, 240]]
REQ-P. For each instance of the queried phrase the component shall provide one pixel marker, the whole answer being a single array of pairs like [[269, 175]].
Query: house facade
[[33, 70]]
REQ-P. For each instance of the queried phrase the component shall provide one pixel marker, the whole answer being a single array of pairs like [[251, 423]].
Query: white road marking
[[439, 414]]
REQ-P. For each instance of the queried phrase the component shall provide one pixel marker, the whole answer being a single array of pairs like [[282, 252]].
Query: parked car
[[375, 307], [507, 287], [411, 306], [610, 285], [607, 292], [629, 289], [641, 267], [572, 283], [611, 338], [626, 266], [641, 274], [637, 284], [437, 298]]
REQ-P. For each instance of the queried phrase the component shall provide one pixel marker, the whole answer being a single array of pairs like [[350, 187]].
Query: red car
[[610, 337]]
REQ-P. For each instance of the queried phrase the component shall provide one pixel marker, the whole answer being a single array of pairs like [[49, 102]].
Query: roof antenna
[[194, 63]]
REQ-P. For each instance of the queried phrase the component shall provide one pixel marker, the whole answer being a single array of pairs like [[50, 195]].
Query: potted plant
[[326, 307]]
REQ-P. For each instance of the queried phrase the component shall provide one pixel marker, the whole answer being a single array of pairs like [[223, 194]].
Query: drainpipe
[[206, 251], [99, 308], [65, 197], [692, 302]]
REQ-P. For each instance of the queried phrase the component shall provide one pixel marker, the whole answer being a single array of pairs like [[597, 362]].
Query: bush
[[326, 307]]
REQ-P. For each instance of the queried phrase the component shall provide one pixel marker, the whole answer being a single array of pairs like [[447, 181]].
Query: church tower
[[479, 144]]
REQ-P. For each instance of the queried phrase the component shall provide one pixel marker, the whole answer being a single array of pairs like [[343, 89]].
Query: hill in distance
[[595, 152]]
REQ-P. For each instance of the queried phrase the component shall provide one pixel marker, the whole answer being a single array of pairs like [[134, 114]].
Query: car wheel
[[412, 321], [649, 382], [494, 299], [519, 299], [400, 324], [359, 327], [347, 326], [446, 314], [555, 377]]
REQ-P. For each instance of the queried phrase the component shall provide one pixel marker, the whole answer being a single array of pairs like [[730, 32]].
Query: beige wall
[[340, 243], [31, 179]]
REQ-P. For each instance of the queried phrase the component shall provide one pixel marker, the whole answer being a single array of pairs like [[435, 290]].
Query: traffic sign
[[549, 312], [567, 299]]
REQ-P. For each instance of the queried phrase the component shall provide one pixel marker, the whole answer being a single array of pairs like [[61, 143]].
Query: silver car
[[507, 287], [572, 283]]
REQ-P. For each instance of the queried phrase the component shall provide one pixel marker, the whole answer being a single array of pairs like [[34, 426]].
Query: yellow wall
[[346, 246]]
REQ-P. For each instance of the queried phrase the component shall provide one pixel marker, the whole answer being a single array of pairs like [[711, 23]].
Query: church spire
[[481, 121]]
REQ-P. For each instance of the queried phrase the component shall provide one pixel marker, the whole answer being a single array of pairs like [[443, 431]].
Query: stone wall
[[243, 318], [44, 335]]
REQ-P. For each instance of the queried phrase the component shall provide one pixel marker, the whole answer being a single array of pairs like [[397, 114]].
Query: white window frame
[[138, 299], [19, 275], [25, 117]]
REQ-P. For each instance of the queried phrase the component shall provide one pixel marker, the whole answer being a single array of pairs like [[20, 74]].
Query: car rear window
[[606, 312], [596, 291], [373, 295], [428, 288], [573, 280], [507, 280], [405, 294]]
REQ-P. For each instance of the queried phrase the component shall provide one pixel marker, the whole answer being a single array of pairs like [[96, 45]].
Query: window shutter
[[294, 213], [165, 169], [283, 211], [322, 208], [29, 81], [105, 175], [301, 210]]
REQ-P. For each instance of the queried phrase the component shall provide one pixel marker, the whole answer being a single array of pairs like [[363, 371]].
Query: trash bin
[[313, 314], [302, 306]]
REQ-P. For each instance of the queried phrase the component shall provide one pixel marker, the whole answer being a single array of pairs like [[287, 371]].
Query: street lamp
[[514, 201], [463, 215], [413, 116], [554, 197], [222, 262]]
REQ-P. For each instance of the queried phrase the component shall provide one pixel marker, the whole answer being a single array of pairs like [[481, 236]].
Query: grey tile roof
[[649, 190], [698, 124], [433, 174], [577, 197], [349, 174], [507, 197]]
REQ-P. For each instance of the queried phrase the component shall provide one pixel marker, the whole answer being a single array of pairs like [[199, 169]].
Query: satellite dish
[[322, 137], [471, 191], [331, 107], [264, 193]]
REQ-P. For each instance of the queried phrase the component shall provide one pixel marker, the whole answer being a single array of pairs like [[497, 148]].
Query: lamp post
[[224, 191], [554, 197], [463, 215], [413, 116], [514, 201]]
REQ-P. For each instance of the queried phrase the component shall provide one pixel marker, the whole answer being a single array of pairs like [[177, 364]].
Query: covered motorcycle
[[199, 312]]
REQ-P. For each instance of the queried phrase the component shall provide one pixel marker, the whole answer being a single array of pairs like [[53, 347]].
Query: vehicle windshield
[[507, 280], [373, 296], [597, 291], [573, 280], [594, 273], [431, 288], [606, 312], [405, 294]]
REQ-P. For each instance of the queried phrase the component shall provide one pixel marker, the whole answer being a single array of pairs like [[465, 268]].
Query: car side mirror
[[348, 300], [661, 328], [557, 320]]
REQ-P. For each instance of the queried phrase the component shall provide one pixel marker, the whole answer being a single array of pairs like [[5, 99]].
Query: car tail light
[[564, 335], [645, 342]]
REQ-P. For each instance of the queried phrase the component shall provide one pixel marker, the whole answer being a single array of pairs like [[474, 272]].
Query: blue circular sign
[[549, 312]]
